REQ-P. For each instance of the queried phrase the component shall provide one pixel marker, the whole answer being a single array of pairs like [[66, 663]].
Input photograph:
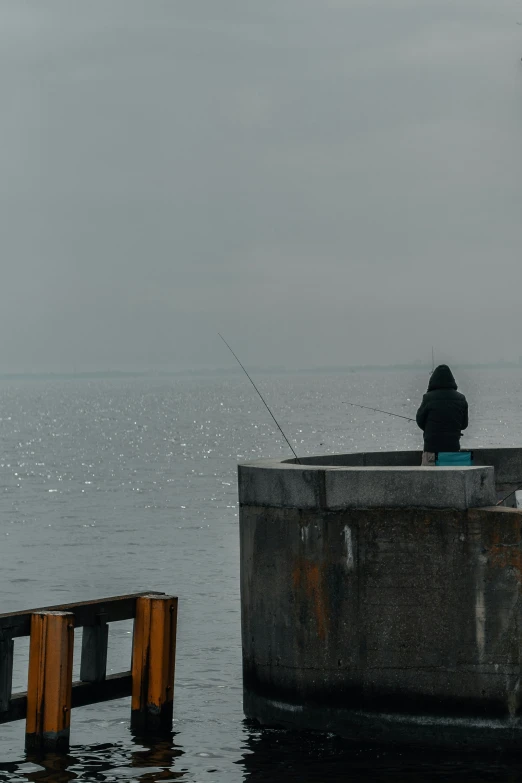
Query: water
[[111, 487]]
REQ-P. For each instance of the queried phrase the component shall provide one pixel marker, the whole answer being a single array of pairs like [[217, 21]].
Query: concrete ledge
[[507, 462], [272, 483], [398, 487], [280, 484]]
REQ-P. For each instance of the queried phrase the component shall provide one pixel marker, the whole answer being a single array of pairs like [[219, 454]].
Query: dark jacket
[[443, 412]]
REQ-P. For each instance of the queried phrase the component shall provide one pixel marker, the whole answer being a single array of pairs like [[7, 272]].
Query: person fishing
[[442, 415]]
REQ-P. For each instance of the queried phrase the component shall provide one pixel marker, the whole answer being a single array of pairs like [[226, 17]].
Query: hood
[[442, 378]]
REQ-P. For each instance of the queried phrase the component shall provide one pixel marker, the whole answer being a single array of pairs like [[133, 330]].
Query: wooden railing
[[51, 693]]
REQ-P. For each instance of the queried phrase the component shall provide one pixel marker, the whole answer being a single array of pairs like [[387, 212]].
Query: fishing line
[[262, 399], [378, 410]]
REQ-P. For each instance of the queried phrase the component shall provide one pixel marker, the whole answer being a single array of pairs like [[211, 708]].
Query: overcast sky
[[324, 181]]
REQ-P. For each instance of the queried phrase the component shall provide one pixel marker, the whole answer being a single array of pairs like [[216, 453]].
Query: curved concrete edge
[[278, 484], [387, 728], [507, 462]]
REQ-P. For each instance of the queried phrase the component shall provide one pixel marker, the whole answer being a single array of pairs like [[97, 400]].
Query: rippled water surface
[[118, 486]]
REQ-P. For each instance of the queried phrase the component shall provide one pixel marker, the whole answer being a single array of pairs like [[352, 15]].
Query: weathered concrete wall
[[403, 612], [381, 624]]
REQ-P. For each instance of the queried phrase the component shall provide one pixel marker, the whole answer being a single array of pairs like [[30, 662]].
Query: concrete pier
[[381, 600]]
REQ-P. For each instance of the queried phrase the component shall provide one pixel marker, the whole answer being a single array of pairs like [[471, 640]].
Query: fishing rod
[[378, 410], [507, 496], [397, 415], [262, 399]]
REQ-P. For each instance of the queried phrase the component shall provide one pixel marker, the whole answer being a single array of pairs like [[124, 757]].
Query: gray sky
[[326, 182]]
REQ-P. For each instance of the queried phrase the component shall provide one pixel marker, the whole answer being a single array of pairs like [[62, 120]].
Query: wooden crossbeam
[[115, 686], [121, 607]]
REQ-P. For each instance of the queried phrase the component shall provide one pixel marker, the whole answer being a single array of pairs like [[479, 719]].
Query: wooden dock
[[51, 692]]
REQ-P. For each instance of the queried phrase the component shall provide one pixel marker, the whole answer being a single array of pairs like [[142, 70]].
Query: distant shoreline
[[234, 371]]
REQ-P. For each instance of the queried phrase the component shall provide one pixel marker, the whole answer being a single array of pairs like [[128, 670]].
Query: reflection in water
[[153, 761], [50, 767], [161, 754], [269, 756], [276, 756]]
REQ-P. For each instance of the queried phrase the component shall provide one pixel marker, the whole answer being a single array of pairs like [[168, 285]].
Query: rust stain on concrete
[[307, 576]]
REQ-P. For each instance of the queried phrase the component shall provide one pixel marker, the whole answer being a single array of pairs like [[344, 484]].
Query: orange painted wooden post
[[153, 661], [49, 684]]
